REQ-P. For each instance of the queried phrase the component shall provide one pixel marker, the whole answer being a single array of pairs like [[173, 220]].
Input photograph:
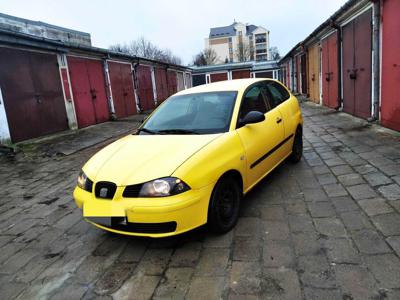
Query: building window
[[261, 38], [261, 57], [230, 40], [240, 32], [230, 50]]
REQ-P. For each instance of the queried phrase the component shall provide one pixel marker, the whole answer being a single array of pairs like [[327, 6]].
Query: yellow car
[[192, 160]]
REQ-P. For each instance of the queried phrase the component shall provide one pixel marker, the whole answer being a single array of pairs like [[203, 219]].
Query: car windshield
[[199, 113]]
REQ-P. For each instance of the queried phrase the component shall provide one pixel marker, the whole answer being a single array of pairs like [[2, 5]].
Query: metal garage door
[[122, 89], [188, 80], [161, 84], [199, 79], [180, 82], [268, 74], [313, 72], [330, 71], [88, 88], [240, 74], [357, 66], [172, 85], [218, 77], [32, 93], [390, 102], [145, 87]]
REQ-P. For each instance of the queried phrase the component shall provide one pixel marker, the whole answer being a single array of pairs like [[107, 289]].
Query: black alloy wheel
[[223, 211], [297, 150]]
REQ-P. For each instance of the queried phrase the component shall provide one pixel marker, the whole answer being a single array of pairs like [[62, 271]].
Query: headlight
[[84, 182], [162, 187]]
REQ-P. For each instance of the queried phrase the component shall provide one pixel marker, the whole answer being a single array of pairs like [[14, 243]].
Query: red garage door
[[122, 89], [172, 84], [267, 74], [330, 71], [390, 102], [89, 90], [145, 87], [240, 74], [32, 93], [161, 84], [218, 77], [357, 66]]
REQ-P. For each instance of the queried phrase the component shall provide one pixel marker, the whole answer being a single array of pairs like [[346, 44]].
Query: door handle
[[278, 120], [353, 74], [328, 76], [38, 99]]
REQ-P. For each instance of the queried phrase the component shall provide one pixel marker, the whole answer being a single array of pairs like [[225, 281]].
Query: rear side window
[[253, 100], [278, 93]]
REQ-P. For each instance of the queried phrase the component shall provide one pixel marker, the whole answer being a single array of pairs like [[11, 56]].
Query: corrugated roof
[[40, 23]]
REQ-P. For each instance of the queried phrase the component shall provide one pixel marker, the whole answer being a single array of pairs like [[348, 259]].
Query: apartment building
[[239, 42]]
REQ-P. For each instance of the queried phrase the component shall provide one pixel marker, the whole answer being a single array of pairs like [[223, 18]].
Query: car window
[[200, 113], [253, 100], [278, 93]]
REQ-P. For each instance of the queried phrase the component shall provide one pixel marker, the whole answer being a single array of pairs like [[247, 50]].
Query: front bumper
[[188, 210]]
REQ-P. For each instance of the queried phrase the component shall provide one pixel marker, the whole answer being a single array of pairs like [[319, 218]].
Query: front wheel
[[223, 210], [297, 150]]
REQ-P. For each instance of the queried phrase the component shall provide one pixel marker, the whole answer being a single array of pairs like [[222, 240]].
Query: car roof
[[227, 85]]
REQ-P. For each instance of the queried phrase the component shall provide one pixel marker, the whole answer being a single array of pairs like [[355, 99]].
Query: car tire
[[297, 149], [223, 210]]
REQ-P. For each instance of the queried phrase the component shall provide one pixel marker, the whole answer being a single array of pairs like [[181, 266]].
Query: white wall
[[4, 130]]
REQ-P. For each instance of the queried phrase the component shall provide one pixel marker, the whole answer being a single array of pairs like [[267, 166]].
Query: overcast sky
[[177, 24]]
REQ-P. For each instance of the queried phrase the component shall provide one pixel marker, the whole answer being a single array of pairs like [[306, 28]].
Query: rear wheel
[[223, 210], [297, 150]]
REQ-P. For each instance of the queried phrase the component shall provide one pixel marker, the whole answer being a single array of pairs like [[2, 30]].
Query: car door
[[260, 139], [280, 100]]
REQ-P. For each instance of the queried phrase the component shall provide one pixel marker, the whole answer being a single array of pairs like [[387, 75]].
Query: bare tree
[[199, 59], [210, 56], [243, 52], [144, 48], [274, 53], [206, 57]]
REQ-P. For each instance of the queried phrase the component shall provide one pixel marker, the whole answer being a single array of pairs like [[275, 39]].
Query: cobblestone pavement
[[326, 228]]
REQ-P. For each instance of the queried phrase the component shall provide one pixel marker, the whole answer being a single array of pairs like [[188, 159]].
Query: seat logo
[[103, 192]]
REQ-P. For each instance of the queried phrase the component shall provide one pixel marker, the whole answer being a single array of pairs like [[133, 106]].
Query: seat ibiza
[[192, 160]]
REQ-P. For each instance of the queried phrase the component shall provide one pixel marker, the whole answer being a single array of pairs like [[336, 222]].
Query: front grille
[[120, 223], [105, 190], [132, 191]]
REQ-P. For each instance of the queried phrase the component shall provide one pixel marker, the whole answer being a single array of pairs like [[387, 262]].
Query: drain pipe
[[376, 58]]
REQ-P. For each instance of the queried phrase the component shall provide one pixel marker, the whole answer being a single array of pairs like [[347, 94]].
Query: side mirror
[[252, 117]]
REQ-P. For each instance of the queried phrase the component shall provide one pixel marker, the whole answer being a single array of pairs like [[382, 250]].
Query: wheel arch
[[236, 175], [299, 127]]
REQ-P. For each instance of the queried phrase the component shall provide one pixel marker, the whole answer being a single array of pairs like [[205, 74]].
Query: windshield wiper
[[147, 130], [178, 131]]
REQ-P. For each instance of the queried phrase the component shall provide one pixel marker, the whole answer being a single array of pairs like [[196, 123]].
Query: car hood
[[140, 158]]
